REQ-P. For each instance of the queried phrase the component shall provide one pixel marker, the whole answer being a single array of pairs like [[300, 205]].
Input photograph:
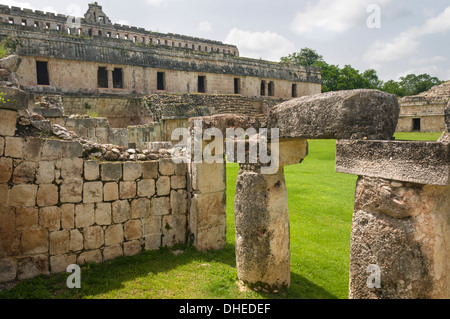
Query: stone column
[[110, 70], [400, 243], [262, 221]]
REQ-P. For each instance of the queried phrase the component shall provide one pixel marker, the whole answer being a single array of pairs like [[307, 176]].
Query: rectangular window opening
[[237, 86], [417, 125], [118, 79], [102, 75], [263, 88], [294, 90], [11, 20], [202, 84], [161, 81], [24, 22], [42, 73], [271, 89]]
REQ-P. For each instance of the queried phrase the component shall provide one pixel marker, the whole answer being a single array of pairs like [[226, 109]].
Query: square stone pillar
[[400, 243], [262, 220]]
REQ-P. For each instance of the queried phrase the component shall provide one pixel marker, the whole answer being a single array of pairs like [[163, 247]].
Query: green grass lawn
[[321, 208]]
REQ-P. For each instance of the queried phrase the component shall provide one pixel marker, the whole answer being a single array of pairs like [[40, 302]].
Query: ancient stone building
[[91, 55], [424, 112]]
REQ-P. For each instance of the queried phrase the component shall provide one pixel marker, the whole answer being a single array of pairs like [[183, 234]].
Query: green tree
[[306, 57]]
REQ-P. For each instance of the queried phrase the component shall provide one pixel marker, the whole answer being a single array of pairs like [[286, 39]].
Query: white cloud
[[267, 45], [401, 47], [123, 22], [332, 15], [204, 26], [407, 43], [156, 3], [19, 4]]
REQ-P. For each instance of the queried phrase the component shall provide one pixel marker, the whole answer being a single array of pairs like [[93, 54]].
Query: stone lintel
[[417, 162]]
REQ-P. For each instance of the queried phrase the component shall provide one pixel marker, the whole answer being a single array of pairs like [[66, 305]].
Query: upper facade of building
[[91, 55]]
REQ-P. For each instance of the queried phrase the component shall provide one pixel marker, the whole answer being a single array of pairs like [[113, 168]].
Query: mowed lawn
[[321, 208]]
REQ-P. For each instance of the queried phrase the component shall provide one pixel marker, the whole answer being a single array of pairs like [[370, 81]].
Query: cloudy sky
[[410, 36]]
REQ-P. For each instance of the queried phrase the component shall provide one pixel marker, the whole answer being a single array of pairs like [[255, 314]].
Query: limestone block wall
[[57, 208]]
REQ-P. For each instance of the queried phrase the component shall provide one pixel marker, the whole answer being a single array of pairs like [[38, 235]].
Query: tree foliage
[[335, 78]]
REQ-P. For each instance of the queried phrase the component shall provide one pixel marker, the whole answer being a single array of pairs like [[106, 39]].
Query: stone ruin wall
[[73, 64], [58, 23], [62, 202]]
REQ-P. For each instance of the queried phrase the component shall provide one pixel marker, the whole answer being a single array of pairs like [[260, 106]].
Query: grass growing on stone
[[321, 208]]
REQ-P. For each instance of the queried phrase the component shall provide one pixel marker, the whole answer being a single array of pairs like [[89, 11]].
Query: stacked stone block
[[57, 208]]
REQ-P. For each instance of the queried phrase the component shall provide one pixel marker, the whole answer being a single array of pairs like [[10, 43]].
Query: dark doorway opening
[[294, 90], [42, 73], [417, 125], [161, 81], [237, 86], [118, 79], [201, 84], [102, 75]]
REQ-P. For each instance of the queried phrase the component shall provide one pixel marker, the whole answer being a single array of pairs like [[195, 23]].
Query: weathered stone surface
[[35, 241], [114, 235], [111, 172], [50, 218], [127, 190], [71, 168], [92, 192], [133, 229], [152, 226], [8, 121], [209, 178], [71, 191], [6, 169], [91, 170], [132, 248], [90, 256], [7, 217], [47, 195], [93, 237], [8, 269], [26, 218], [4, 194], [408, 161], [112, 252], [84, 215], [402, 229], [30, 267], [2, 146], [447, 117], [153, 242], [150, 170], [32, 149], [23, 195], [174, 230], [14, 99], [166, 167], [262, 230], [59, 242], [146, 188], [14, 147], [208, 220], [132, 171], [140, 208], [121, 211], [354, 114], [9, 244], [45, 173], [111, 192], [68, 216], [179, 202], [160, 206], [224, 121], [59, 264], [11, 63], [103, 214], [76, 240], [178, 182], [163, 186], [25, 172]]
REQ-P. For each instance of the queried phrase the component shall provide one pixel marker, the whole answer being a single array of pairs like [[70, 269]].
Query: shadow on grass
[[213, 274]]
